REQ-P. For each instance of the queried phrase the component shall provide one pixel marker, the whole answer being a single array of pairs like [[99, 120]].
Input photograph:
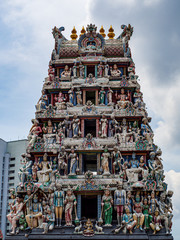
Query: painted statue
[[70, 203], [102, 94], [117, 157], [100, 70], [110, 96], [103, 126], [73, 162], [115, 72], [105, 161], [66, 73], [59, 203], [138, 214], [76, 126], [107, 203], [71, 96], [49, 221], [62, 159], [119, 202], [79, 96], [43, 174], [34, 132]]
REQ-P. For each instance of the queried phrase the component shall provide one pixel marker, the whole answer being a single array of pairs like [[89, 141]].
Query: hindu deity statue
[[43, 174], [60, 101], [59, 203], [115, 72], [152, 201], [76, 127], [119, 202], [74, 162], [100, 70], [128, 222], [113, 126], [16, 213], [51, 196], [34, 218], [102, 94], [90, 79], [66, 73], [106, 70], [62, 159], [138, 97], [129, 201], [25, 169], [51, 73], [71, 96], [147, 132], [147, 216], [103, 126], [70, 203], [165, 212], [49, 219], [118, 159], [34, 171], [122, 98], [75, 70], [107, 206], [88, 231], [156, 222], [79, 96], [144, 169], [43, 102], [67, 127], [105, 161], [34, 132], [137, 209], [28, 199], [110, 96]]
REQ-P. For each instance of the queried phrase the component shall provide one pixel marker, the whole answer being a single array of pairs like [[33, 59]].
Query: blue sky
[[26, 43]]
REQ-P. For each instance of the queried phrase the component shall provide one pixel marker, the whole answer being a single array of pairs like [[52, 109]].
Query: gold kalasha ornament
[[74, 35], [82, 31], [111, 33], [102, 32]]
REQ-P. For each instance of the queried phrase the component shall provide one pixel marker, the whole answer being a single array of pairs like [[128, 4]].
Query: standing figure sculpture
[[137, 209], [71, 96], [62, 159], [102, 94], [67, 127], [79, 96], [110, 96], [70, 202], [103, 126], [106, 70], [34, 133], [105, 161], [58, 203], [119, 202], [116, 155], [107, 202], [81, 70], [43, 102], [75, 126], [73, 162], [100, 70]]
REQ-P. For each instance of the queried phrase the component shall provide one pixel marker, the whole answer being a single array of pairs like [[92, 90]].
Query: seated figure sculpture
[[115, 72], [66, 73]]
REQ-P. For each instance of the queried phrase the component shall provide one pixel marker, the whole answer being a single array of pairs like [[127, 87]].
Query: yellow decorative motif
[[82, 31], [111, 33], [102, 32], [74, 35]]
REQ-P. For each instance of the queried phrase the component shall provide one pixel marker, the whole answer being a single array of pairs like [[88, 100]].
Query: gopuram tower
[[91, 169]]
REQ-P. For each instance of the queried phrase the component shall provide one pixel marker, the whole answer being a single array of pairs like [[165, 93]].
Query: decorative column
[[58, 72], [79, 206], [85, 71], [98, 162], [96, 100], [80, 163], [95, 71], [82, 128], [84, 97], [52, 98], [98, 206], [97, 128]]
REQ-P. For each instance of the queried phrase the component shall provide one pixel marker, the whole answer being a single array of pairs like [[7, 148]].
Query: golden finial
[[102, 32], [74, 35], [111, 33], [82, 31]]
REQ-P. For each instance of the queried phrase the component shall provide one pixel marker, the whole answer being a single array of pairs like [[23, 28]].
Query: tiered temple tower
[[91, 160]]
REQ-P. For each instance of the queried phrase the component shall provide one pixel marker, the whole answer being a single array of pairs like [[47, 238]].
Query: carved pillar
[[98, 162], [85, 71], [95, 71], [97, 128], [52, 98], [84, 97], [58, 72], [80, 163], [82, 128], [98, 206], [79, 206], [96, 100]]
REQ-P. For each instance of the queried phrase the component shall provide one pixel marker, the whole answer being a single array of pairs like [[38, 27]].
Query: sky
[[26, 43]]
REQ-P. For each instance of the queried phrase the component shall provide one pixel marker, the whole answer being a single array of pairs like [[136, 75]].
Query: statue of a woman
[[107, 202], [102, 96], [105, 161], [43, 174], [75, 126], [74, 162], [70, 202]]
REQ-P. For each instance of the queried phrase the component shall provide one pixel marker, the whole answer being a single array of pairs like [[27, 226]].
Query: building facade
[[91, 160], [10, 155]]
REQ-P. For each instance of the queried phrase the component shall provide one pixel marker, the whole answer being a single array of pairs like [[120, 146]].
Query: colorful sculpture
[[107, 202]]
